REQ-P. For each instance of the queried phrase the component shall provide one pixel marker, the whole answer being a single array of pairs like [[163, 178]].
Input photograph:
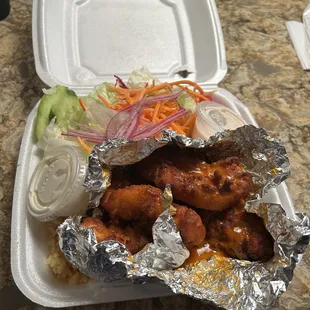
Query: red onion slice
[[120, 123], [144, 127], [88, 133], [96, 140], [115, 125], [133, 126], [150, 100], [150, 132], [120, 82]]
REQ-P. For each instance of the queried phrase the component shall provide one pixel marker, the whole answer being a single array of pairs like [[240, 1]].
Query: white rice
[[61, 268]]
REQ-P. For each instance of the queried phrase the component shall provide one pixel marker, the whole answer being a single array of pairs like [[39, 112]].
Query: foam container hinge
[[80, 43]]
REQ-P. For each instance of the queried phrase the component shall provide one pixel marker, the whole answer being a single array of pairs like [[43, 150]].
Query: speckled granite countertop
[[264, 73]]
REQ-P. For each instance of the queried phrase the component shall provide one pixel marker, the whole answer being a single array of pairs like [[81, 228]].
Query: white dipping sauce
[[214, 117], [56, 187]]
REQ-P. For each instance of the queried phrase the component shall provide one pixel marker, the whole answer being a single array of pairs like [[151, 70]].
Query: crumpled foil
[[108, 260], [225, 282], [264, 157], [237, 284], [94, 259], [167, 250]]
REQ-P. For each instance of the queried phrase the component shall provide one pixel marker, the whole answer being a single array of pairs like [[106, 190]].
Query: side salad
[[138, 109]]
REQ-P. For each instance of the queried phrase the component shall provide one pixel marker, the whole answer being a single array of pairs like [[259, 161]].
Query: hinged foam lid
[[81, 43]]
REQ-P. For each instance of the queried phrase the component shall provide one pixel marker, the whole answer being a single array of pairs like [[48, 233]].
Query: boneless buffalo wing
[[133, 203], [240, 234], [132, 239], [142, 204], [187, 221], [208, 206], [190, 225], [215, 186]]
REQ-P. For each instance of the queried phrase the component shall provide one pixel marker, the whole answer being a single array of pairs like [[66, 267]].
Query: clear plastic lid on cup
[[56, 187], [213, 117]]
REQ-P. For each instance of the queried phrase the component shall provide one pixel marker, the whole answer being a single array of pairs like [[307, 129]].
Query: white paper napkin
[[300, 36]]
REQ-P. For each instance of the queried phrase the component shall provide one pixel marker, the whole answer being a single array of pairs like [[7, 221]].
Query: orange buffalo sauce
[[204, 252]]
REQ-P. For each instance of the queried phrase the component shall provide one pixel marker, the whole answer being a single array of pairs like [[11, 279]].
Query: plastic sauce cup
[[56, 186], [213, 117]]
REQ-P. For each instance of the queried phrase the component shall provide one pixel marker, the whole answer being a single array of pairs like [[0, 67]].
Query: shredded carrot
[[120, 106], [84, 145], [172, 104], [83, 105], [105, 101], [129, 99], [135, 97], [157, 87], [182, 120], [156, 110], [167, 109], [163, 106], [162, 115], [193, 93], [195, 85], [177, 128], [190, 120], [170, 88], [145, 119], [120, 90], [209, 92], [208, 97], [142, 93], [161, 109], [164, 93], [116, 89]]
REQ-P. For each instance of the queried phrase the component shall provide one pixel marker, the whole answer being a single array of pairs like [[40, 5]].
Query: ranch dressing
[[214, 117], [56, 187]]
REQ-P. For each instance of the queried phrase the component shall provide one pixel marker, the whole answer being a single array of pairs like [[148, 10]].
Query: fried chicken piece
[[133, 240], [141, 203], [215, 186], [190, 225], [240, 234]]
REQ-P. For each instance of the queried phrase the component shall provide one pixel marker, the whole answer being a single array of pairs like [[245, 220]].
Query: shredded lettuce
[[97, 114], [60, 102], [187, 102], [52, 131], [139, 78], [52, 137], [103, 89]]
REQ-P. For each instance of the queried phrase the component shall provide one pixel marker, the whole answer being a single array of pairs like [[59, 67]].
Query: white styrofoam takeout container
[[81, 43]]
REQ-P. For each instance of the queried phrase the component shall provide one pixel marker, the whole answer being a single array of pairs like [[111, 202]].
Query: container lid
[[213, 117], [81, 43], [56, 181]]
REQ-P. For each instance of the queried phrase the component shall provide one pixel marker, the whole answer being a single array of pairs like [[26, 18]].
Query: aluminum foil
[[108, 260], [264, 157], [236, 284], [225, 282], [168, 250], [105, 261]]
